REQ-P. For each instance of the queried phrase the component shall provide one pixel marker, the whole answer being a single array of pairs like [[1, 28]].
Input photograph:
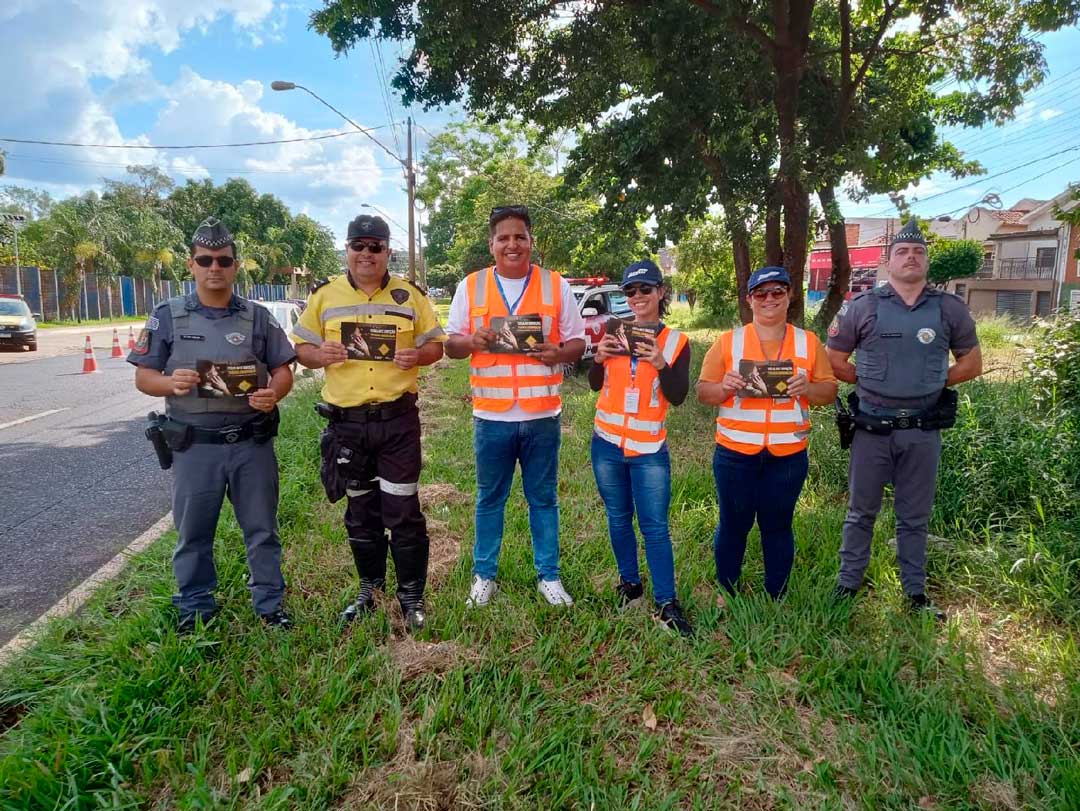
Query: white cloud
[[1049, 113], [78, 63]]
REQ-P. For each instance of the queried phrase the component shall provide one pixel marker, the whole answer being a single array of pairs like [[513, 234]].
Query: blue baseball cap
[[768, 274], [642, 272]]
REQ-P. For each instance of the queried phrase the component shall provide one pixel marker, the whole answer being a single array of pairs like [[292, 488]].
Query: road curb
[[74, 599]]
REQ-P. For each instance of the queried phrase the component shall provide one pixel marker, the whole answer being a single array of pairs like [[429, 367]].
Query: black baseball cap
[[368, 226]]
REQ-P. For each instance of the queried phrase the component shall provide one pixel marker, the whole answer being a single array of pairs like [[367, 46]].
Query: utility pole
[[410, 179], [16, 221]]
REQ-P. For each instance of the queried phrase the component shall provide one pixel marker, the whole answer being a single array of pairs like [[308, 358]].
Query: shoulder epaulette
[[323, 283]]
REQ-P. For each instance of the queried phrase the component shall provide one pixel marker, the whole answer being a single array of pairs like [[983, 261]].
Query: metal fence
[[107, 296]]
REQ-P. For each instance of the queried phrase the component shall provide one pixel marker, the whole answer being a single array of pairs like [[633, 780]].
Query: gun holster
[[156, 436], [845, 421], [265, 426]]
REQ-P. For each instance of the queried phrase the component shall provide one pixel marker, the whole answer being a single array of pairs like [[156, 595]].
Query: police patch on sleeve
[[142, 345], [152, 323], [399, 295]]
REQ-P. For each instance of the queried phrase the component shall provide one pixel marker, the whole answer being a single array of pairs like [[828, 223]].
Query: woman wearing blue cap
[[629, 448], [762, 430]]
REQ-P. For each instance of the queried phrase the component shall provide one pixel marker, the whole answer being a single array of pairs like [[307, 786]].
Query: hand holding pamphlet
[[629, 335], [766, 378], [369, 341], [220, 380], [517, 334]]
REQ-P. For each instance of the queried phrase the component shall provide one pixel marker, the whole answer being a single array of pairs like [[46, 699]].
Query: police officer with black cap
[[221, 442], [371, 332], [902, 333]]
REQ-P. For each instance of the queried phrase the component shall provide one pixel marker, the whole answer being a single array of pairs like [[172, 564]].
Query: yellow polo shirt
[[337, 305]]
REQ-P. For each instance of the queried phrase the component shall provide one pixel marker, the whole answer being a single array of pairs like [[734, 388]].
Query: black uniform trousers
[[382, 494]]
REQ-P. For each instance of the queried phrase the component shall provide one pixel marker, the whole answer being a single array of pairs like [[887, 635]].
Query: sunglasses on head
[[769, 292], [372, 247], [635, 289], [205, 261], [518, 211]]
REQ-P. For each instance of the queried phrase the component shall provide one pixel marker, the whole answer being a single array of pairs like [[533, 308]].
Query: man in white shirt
[[516, 397]]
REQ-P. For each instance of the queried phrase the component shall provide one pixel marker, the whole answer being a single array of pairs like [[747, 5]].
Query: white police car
[[598, 299]]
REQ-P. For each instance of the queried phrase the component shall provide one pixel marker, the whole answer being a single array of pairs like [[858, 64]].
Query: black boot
[[370, 559], [411, 561]]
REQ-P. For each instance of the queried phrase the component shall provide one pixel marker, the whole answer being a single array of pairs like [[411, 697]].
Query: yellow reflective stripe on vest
[[545, 288], [308, 335], [331, 313]]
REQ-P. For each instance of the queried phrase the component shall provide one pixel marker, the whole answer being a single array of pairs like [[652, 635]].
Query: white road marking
[[32, 417], [74, 599]]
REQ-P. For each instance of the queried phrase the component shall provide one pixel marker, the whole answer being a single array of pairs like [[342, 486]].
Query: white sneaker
[[554, 592], [481, 592]]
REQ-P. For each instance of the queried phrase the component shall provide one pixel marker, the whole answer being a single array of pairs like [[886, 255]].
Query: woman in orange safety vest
[[763, 377], [629, 445]]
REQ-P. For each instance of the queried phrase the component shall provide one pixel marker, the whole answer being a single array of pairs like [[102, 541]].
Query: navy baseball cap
[[642, 272], [368, 226], [768, 274]]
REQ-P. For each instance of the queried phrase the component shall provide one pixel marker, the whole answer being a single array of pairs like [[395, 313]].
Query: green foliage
[[1055, 362], [444, 276], [707, 267], [954, 259]]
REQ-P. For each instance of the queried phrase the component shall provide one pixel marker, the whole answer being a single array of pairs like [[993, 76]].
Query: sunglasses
[[518, 211], [206, 261], [372, 247], [635, 289], [772, 292]]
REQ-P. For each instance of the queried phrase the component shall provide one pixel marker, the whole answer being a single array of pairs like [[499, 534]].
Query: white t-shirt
[[571, 326]]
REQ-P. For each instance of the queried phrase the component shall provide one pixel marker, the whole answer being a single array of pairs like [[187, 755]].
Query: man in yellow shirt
[[371, 332]]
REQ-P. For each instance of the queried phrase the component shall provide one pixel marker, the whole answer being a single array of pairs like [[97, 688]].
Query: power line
[[1017, 186], [191, 171], [190, 146]]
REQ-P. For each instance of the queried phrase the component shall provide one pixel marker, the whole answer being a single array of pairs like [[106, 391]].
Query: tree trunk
[[840, 278], [774, 252], [740, 249]]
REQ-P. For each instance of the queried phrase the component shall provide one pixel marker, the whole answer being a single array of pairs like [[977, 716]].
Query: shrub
[[1055, 363]]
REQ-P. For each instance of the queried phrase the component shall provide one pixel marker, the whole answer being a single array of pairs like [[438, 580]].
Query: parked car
[[18, 326], [286, 313], [598, 300]]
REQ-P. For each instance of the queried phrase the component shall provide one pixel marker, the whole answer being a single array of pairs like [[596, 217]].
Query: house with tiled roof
[[1029, 259]]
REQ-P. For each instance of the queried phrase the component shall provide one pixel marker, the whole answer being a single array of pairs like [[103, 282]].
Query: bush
[[1055, 363]]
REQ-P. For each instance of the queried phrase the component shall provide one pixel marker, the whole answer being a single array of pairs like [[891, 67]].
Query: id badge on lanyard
[[632, 395]]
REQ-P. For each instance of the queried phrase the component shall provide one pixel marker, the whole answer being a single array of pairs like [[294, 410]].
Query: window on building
[[1045, 257], [961, 290]]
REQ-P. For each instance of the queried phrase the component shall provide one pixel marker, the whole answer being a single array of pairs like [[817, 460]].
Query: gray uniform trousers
[[909, 459], [204, 473]]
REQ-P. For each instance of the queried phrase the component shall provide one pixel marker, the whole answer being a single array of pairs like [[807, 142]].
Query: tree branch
[[742, 24]]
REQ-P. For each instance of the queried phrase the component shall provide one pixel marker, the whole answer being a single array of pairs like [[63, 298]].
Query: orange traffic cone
[[131, 337], [89, 364], [117, 352]]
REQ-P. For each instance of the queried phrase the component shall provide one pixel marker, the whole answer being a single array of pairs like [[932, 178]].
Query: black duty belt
[[226, 435], [376, 412]]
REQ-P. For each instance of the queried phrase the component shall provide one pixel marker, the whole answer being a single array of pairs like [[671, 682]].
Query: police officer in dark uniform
[[371, 332], [218, 443], [902, 333]]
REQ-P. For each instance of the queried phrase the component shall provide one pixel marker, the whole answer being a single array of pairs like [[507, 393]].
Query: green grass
[[93, 322], [796, 705]]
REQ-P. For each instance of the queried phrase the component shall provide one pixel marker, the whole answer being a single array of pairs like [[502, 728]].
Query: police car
[[18, 326], [598, 300]]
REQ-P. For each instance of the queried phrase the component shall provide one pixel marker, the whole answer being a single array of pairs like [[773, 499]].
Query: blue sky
[[133, 72]]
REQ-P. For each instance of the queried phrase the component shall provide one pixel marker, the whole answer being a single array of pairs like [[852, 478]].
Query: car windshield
[[11, 307], [618, 303], [577, 293]]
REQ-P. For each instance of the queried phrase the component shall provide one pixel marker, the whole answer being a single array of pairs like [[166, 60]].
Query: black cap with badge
[[368, 226], [212, 234], [910, 233]]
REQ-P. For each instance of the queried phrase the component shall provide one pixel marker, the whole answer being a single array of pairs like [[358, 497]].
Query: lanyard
[[633, 371], [511, 307]]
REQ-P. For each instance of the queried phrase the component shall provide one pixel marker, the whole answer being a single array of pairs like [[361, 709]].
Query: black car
[[18, 327]]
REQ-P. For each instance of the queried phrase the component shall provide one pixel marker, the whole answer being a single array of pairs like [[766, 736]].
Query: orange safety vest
[[643, 432], [748, 424], [499, 380]]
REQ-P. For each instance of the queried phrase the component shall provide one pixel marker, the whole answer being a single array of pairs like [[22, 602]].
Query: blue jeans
[[626, 482], [499, 446], [764, 487]]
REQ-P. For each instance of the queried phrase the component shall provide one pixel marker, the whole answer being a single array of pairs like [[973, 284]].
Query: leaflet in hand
[[221, 380], [517, 334], [766, 378], [630, 335], [369, 341]]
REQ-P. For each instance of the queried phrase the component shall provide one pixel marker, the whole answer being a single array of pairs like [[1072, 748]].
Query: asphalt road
[[76, 485]]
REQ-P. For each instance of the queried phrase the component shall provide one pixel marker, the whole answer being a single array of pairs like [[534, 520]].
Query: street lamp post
[[407, 164], [16, 221]]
